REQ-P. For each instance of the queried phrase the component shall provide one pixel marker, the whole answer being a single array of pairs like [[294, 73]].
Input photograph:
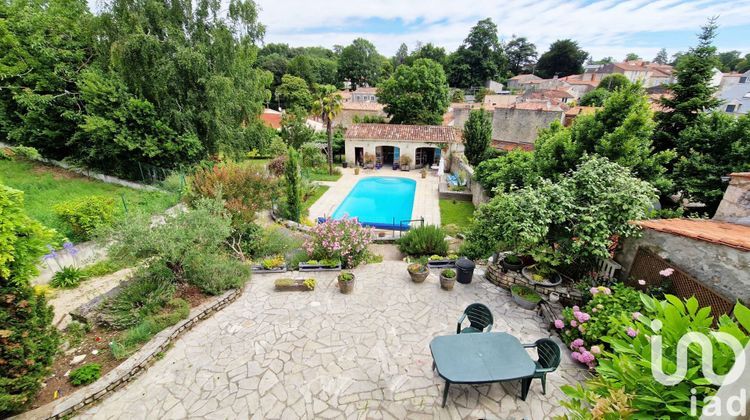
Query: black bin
[[465, 270]]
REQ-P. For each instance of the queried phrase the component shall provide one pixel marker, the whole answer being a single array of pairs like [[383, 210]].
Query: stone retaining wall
[[132, 367], [569, 295]]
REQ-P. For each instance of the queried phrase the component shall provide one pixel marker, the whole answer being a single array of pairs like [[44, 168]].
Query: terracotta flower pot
[[419, 276], [447, 283], [346, 286]]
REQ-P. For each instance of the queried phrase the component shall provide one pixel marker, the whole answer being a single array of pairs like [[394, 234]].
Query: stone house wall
[[735, 206], [511, 124], [406, 147]]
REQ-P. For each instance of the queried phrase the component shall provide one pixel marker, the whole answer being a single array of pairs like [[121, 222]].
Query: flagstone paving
[[322, 354]]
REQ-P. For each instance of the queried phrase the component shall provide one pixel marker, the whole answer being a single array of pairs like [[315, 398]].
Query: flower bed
[[440, 262], [322, 265], [345, 240]]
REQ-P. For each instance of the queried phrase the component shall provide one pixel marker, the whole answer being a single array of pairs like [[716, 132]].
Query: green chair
[[548, 361], [480, 318]]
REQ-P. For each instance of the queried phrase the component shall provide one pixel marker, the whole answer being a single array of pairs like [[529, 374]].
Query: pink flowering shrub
[[344, 239], [604, 314]]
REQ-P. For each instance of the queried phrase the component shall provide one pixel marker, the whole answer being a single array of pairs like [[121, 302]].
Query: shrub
[[104, 267], [424, 240], [245, 189], [215, 274], [25, 152], [292, 176], [404, 160], [344, 239], [311, 155], [67, 278], [526, 293], [86, 214], [28, 341], [129, 341], [85, 374], [276, 147], [146, 294], [278, 165], [272, 262]]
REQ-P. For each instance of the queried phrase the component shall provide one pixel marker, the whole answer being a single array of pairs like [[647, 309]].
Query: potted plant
[[369, 161], [447, 278], [273, 264], [424, 173], [346, 282], [438, 261], [542, 274], [418, 272], [356, 170], [511, 262], [404, 162], [525, 297]]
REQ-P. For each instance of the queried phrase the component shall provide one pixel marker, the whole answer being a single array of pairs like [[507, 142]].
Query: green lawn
[[312, 198], [453, 212], [321, 175], [44, 186]]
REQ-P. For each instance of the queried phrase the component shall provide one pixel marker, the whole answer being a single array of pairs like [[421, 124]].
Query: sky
[[602, 27]]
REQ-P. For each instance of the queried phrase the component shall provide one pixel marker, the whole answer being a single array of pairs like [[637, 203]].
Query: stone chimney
[[735, 206]]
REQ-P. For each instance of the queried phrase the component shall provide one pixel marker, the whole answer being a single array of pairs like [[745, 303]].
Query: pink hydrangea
[[559, 324], [573, 323], [575, 344], [596, 350], [582, 328], [666, 272], [581, 316], [576, 308], [632, 332], [576, 356], [586, 357], [600, 289]]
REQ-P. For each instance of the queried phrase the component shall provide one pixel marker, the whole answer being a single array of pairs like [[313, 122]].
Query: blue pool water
[[380, 202]]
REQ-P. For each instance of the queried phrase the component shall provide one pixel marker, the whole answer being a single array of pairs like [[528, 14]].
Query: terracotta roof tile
[[511, 145], [713, 231], [271, 119], [399, 132]]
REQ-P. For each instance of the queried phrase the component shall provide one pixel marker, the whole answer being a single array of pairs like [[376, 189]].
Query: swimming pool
[[380, 202]]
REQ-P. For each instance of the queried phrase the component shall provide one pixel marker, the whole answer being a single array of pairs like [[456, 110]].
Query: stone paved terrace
[[322, 354]]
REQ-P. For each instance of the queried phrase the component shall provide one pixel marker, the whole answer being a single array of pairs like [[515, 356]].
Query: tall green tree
[[401, 55], [416, 94], [429, 50], [360, 63], [715, 146], [632, 57], [612, 82], [292, 176], [293, 93], [661, 57], [521, 55], [563, 58], [28, 340], [692, 93], [294, 129], [480, 58], [729, 60], [328, 103], [477, 136]]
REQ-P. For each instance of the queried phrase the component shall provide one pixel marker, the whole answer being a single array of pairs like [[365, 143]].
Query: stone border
[[132, 367]]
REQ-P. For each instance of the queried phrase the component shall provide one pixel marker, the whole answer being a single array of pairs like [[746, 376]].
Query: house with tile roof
[[649, 74], [424, 144], [359, 103], [734, 91]]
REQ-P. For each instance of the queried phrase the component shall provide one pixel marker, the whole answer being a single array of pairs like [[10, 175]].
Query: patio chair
[[480, 318], [549, 359]]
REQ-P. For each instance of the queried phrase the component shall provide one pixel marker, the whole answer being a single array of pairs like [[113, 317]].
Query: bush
[[67, 278], [146, 294], [216, 274], [344, 239], [86, 214], [125, 345], [255, 242], [246, 189], [104, 267], [28, 341], [278, 165], [424, 240], [312, 156], [27, 153], [86, 374]]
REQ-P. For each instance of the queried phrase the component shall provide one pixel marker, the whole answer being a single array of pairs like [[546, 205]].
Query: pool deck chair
[[480, 319], [548, 361]]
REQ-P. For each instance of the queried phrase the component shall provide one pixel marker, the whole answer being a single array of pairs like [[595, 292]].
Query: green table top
[[480, 358]]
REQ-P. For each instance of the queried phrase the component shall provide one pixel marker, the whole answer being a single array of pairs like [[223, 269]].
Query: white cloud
[[603, 27]]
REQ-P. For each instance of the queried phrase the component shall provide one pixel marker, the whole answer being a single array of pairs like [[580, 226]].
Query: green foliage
[[455, 215], [368, 119], [448, 273], [514, 169], [360, 63], [346, 277], [85, 215], [215, 274], [328, 104], [596, 97], [563, 58], [479, 58], [24, 152], [629, 366], [291, 173], [613, 82], [293, 92], [28, 341], [104, 267], [75, 332], [294, 129], [428, 50], [67, 278], [521, 55], [715, 146], [423, 240], [85, 374], [144, 295], [311, 156], [416, 94], [259, 243], [270, 263], [477, 135], [343, 239], [129, 341], [571, 221], [457, 96], [526, 293]]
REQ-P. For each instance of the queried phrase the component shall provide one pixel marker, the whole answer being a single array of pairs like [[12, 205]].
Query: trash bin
[[465, 270]]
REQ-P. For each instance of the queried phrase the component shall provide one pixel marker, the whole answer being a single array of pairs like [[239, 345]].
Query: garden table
[[480, 359]]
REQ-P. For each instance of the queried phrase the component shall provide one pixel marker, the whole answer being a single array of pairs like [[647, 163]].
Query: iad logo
[[713, 405]]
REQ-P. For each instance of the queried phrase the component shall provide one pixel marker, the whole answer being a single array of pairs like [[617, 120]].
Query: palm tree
[[327, 104]]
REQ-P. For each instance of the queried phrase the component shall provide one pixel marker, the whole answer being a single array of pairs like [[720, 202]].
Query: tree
[[744, 64], [480, 94], [416, 94], [291, 173], [661, 57], [480, 58], [521, 55], [605, 60], [28, 340], [715, 146], [692, 93], [360, 63], [632, 57], [401, 55], [328, 105], [294, 93], [563, 58], [429, 50], [596, 97], [294, 129], [729, 60], [477, 135], [514, 169], [613, 82], [457, 96]]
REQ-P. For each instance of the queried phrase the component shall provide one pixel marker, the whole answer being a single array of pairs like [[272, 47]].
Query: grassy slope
[[314, 197], [456, 213], [44, 186]]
